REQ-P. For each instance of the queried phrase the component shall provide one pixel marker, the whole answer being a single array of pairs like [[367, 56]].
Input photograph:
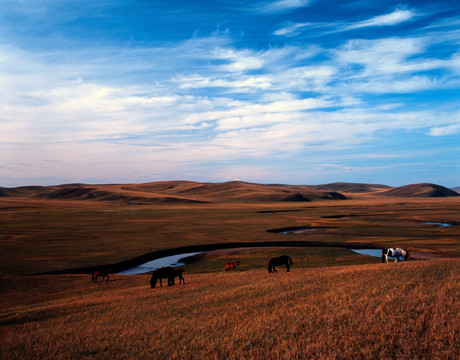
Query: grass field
[[45, 235], [334, 304], [381, 311]]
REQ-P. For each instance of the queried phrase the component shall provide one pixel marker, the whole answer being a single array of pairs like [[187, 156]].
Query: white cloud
[[291, 29], [284, 5], [444, 130], [240, 61], [394, 18]]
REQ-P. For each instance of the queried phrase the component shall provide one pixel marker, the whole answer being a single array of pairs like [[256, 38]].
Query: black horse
[[179, 272], [162, 273], [282, 260]]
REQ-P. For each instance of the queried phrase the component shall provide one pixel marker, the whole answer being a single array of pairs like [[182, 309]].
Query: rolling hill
[[420, 190], [233, 191]]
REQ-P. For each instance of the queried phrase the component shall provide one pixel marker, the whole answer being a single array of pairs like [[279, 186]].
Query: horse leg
[[274, 270], [287, 267]]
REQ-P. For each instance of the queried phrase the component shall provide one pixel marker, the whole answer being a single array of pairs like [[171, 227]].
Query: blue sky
[[287, 91]]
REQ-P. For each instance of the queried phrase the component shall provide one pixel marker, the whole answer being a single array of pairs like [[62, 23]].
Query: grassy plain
[[333, 304], [379, 311], [45, 235]]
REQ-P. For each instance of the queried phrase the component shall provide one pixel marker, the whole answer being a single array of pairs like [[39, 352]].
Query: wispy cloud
[[283, 5], [445, 130], [394, 18]]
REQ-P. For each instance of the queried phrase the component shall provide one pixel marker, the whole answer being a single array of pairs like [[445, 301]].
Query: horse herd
[[171, 273]]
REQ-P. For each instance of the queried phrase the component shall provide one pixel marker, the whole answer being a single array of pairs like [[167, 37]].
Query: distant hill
[[420, 190], [355, 188], [176, 191], [456, 189], [233, 191]]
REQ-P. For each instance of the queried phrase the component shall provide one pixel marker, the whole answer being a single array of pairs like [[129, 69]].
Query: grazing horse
[[178, 272], [162, 273], [282, 260], [100, 272], [394, 253], [232, 265]]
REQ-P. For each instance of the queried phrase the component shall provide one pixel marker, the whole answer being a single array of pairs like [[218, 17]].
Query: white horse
[[394, 253]]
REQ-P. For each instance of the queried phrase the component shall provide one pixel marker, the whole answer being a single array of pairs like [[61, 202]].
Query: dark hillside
[[420, 190]]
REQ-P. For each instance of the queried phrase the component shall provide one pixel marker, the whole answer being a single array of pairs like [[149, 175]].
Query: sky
[[277, 91]]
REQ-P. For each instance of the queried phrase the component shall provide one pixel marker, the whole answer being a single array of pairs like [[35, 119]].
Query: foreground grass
[[388, 311]]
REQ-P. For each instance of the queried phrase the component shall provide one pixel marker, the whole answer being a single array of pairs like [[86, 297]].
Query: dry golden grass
[[406, 310], [45, 235], [382, 311]]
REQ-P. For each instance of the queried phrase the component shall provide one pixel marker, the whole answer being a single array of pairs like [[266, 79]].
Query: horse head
[[384, 255]]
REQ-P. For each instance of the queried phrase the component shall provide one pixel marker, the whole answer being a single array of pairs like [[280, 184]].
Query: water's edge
[[128, 264]]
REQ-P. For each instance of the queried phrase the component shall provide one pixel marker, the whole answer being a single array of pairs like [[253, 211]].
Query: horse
[[394, 253], [232, 265], [162, 273], [100, 272], [282, 260], [178, 272]]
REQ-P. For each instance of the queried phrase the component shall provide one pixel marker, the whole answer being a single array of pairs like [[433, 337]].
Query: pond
[[174, 260], [370, 252], [438, 224], [297, 230]]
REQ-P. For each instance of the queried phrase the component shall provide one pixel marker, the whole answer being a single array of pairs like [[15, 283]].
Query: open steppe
[[334, 304]]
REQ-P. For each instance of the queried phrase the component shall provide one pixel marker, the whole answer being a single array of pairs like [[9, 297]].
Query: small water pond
[[438, 224], [370, 252], [297, 230], [174, 260]]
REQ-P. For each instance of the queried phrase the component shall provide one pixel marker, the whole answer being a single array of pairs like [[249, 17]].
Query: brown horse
[[231, 265], [100, 272]]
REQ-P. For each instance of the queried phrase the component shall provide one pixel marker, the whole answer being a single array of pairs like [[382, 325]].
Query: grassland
[[334, 304], [392, 311], [45, 235]]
